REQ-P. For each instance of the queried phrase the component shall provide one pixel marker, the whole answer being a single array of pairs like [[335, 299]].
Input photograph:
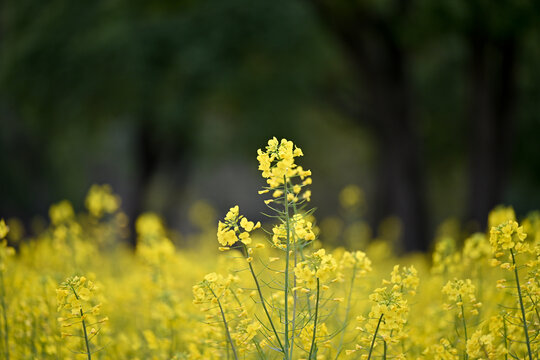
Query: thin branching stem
[[4, 316], [347, 310], [313, 355], [505, 338], [86, 341], [465, 355], [86, 336], [263, 302], [525, 329], [288, 229], [225, 324], [294, 290], [374, 337]]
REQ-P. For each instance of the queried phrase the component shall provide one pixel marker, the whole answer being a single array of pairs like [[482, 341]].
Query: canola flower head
[[405, 279], [476, 247], [319, 265], [234, 228], [73, 292], [441, 351], [508, 236], [61, 212], [482, 346], [4, 229], [446, 257], [461, 293], [214, 286], [5, 252], [277, 165], [149, 225], [389, 312], [394, 308], [77, 299], [101, 200], [306, 334], [300, 231], [358, 260], [153, 246], [501, 214], [351, 196]]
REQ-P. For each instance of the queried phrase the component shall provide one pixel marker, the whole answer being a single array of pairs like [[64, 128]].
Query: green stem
[[172, 339], [505, 338], [294, 297], [225, 324], [374, 337], [4, 315], [293, 324], [345, 322], [384, 349], [259, 350], [88, 353], [86, 337], [33, 337], [535, 305], [311, 354], [465, 355], [264, 307], [288, 227], [485, 352], [521, 305]]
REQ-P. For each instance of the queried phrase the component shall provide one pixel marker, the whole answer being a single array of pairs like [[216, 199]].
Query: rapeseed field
[[274, 290]]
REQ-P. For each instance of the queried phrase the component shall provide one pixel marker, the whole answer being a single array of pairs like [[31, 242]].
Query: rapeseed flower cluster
[[508, 236], [461, 293], [300, 231], [384, 328], [319, 266], [101, 201], [357, 260], [235, 228], [76, 299], [278, 167], [482, 346]]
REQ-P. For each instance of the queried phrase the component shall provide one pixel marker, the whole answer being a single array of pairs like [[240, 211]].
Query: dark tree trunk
[[147, 158], [399, 183], [492, 74], [168, 155], [381, 63]]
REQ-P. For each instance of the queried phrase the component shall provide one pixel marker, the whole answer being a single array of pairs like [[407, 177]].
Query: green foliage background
[[165, 100]]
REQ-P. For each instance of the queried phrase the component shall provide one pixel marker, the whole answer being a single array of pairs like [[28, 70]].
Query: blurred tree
[[439, 84], [494, 33], [382, 40], [370, 32], [70, 69]]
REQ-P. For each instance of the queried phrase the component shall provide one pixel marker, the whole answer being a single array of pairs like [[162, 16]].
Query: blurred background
[[431, 107]]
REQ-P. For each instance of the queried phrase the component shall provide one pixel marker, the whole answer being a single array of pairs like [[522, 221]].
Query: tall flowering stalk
[[461, 296], [386, 321], [508, 239], [315, 272], [234, 232], [286, 181], [76, 297], [360, 265], [212, 290]]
